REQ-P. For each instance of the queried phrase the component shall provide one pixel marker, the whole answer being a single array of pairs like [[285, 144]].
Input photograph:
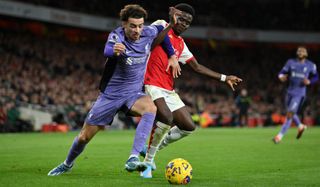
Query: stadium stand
[[58, 69], [227, 14]]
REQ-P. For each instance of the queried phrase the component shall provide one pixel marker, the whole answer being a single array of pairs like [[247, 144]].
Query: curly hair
[[132, 11]]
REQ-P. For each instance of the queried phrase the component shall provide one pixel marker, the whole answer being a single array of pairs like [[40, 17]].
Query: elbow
[[108, 51], [197, 69], [105, 54]]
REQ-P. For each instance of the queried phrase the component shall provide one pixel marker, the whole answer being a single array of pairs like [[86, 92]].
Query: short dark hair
[[302, 46], [132, 11], [185, 8]]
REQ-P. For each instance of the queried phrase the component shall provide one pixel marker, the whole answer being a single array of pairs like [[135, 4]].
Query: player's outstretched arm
[[173, 14], [231, 80]]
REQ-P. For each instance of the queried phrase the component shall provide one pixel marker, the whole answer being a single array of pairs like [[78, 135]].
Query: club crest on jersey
[[305, 69], [176, 52], [113, 38]]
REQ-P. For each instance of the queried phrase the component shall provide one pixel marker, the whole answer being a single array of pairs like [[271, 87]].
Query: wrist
[[223, 78], [308, 82], [170, 25]]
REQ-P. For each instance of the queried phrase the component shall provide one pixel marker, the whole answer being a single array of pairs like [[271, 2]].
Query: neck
[[301, 60], [176, 33]]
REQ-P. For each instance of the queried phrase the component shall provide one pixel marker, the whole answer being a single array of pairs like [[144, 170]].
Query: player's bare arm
[[231, 80], [173, 14]]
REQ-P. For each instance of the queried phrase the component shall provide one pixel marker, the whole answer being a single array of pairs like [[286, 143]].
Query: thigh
[[88, 131], [294, 103], [154, 92], [166, 102], [183, 120], [164, 113], [104, 110], [174, 102]]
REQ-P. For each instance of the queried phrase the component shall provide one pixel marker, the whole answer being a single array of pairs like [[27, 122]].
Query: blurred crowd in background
[[248, 14], [62, 76], [54, 73]]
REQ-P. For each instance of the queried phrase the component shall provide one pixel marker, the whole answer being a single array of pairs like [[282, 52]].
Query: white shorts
[[171, 97]]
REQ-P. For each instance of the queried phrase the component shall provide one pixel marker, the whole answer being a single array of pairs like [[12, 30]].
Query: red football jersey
[[156, 74]]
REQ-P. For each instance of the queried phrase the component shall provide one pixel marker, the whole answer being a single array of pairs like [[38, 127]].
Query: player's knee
[[150, 108], [83, 138], [165, 117], [189, 127], [289, 114], [169, 119]]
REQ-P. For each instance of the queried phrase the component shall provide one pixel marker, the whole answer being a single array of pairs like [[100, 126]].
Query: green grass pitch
[[219, 157]]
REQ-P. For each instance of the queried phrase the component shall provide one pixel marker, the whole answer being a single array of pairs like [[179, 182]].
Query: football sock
[[173, 135], [296, 120], [142, 132], [75, 150], [285, 127], [157, 134]]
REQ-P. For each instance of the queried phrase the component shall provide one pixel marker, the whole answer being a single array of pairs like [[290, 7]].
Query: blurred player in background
[[159, 84], [127, 50], [299, 72]]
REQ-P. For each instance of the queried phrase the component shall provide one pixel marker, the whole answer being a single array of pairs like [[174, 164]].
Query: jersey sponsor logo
[[298, 75], [135, 60]]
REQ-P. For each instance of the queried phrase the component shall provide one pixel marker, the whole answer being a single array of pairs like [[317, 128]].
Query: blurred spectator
[[243, 103]]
